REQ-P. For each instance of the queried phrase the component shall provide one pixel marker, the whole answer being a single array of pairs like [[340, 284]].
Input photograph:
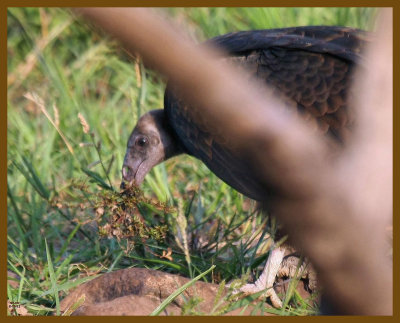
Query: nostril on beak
[[126, 172]]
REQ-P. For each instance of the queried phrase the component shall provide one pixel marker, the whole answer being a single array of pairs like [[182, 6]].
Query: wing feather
[[310, 68]]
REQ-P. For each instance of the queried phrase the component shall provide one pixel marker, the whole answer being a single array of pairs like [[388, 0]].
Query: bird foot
[[267, 279], [249, 289], [291, 268], [279, 266]]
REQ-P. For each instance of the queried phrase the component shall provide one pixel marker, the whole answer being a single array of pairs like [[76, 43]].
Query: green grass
[[73, 69]]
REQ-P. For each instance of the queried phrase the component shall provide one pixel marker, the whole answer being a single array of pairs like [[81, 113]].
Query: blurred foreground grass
[[55, 169]]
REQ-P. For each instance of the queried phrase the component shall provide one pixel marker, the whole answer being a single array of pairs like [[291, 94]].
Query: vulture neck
[[170, 141], [174, 147]]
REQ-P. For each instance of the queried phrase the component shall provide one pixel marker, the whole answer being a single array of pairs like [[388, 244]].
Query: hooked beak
[[133, 171]]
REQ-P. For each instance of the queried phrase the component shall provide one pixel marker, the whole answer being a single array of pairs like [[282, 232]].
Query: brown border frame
[[199, 3]]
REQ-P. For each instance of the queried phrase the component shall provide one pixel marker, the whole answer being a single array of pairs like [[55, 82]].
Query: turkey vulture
[[309, 68]]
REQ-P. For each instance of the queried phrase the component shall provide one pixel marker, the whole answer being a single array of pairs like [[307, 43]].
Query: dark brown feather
[[309, 68]]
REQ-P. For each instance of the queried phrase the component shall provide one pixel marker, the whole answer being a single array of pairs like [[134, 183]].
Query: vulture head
[[150, 143]]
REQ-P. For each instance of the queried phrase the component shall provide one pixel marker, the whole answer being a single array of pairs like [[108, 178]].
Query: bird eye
[[141, 141]]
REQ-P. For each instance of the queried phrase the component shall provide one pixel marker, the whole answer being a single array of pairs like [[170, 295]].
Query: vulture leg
[[267, 278]]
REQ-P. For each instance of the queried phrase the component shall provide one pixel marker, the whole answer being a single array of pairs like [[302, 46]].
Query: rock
[[138, 291]]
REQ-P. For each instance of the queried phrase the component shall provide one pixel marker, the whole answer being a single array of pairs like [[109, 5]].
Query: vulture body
[[309, 68]]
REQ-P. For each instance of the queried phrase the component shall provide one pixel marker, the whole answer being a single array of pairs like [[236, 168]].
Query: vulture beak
[[133, 170]]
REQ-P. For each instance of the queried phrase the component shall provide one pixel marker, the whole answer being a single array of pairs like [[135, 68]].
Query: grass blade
[[53, 279], [31, 176], [96, 178], [179, 291]]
